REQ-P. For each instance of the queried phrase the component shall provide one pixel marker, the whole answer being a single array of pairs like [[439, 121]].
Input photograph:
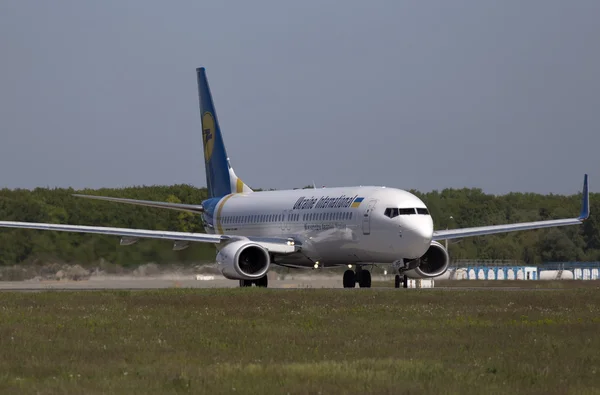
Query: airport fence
[[515, 270]]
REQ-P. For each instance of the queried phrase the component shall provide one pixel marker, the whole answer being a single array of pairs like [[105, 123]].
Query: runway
[[149, 283], [129, 283]]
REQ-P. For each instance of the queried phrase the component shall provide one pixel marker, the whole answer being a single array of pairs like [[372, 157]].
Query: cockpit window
[[393, 212]]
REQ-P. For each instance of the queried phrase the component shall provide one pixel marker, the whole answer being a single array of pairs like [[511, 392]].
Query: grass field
[[310, 341]]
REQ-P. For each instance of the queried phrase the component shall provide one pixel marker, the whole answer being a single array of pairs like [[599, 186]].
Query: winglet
[[585, 206]]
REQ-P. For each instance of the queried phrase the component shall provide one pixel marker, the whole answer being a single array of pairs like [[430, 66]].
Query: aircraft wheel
[[349, 279], [397, 281], [405, 282], [364, 280], [262, 282], [245, 283]]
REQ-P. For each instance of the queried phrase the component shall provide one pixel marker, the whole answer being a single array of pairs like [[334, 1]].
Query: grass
[[310, 341]]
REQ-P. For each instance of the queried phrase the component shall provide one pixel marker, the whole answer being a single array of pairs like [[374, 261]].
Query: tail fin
[[220, 177]]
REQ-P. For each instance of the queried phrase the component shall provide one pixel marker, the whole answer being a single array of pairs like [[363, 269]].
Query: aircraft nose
[[419, 233]]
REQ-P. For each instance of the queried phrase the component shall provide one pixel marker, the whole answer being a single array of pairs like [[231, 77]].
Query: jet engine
[[432, 264], [243, 260]]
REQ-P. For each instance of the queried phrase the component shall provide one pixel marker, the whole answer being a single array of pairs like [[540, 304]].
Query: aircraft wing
[[128, 236], [194, 208], [493, 229]]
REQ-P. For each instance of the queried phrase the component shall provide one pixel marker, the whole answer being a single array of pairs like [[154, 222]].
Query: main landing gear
[[360, 276], [261, 282]]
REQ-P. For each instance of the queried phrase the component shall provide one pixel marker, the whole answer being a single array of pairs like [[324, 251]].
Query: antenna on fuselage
[[314, 185]]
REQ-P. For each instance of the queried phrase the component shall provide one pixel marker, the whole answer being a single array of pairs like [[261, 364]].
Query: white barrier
[[585, 274], [201, 277], [553, 275], [420, 283], [498, 273]]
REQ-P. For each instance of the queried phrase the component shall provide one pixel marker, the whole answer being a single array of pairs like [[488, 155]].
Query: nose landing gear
[[400, 280], [261, 282]]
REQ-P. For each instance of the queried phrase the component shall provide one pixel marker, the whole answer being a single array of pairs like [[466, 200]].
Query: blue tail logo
[[218, 180], [208, 135]]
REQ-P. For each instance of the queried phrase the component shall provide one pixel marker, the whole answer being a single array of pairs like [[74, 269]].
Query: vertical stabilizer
[[220, 177]]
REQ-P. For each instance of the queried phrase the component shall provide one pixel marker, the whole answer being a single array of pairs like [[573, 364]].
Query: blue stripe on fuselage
[[210, 208]]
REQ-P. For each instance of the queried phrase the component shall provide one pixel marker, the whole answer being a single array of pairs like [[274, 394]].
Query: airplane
[[360, 226]]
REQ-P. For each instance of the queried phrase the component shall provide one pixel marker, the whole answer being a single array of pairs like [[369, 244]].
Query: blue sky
[[428, 95]]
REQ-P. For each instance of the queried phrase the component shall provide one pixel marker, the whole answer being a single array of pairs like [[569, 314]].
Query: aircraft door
[[366, 220]]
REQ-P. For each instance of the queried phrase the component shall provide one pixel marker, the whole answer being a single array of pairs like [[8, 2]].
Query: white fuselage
[[330, 224]]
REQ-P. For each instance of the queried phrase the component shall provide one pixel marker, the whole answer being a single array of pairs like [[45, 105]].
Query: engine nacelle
[[432, 264], [243, 260]]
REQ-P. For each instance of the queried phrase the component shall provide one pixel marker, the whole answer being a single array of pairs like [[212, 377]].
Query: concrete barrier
[[420, 283]]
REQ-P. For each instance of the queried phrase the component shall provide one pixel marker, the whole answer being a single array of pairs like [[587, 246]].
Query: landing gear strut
[[361, 276], [261, 282]]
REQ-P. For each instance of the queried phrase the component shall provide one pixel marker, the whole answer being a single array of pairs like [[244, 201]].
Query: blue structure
[[580, 270], [501, 272], [514, 270]]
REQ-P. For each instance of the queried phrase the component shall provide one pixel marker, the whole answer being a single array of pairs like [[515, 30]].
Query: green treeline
[[468, 207]]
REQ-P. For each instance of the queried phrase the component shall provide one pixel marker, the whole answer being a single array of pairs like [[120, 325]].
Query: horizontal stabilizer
[[194, 208]]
